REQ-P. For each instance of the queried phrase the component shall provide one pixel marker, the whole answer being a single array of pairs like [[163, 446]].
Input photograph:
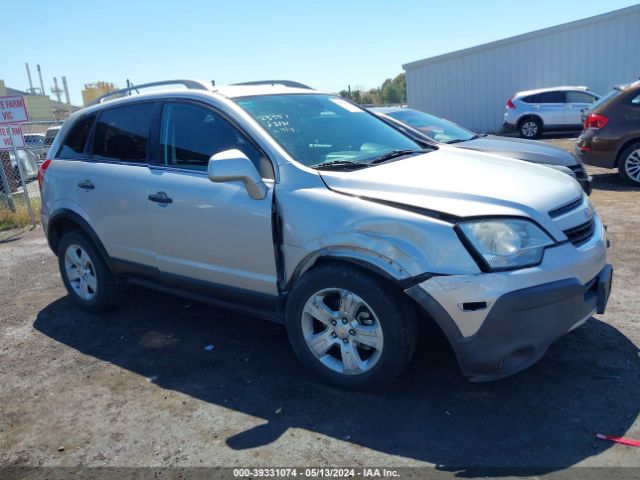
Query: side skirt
[[230, 298]]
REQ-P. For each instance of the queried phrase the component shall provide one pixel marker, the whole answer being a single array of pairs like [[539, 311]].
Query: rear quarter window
[[76, 140]]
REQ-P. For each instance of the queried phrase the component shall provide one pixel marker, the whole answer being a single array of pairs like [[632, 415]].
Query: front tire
[[629, 165], [350, 328], [530, 128], [90, 283]]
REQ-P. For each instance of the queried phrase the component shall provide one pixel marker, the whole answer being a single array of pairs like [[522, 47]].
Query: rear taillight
[[41, 170], [594, 120], [510, 103]]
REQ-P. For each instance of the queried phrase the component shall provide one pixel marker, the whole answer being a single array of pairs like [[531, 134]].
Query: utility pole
[[56, 90], [66, 93], [31, 91], [41, 82]]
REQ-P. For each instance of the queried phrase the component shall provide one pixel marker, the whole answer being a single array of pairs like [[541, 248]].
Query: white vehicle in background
[[533, 112], [29, 163], [34, 142]]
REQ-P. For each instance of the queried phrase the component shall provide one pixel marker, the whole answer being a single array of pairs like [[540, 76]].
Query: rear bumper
[[522, 324], [508, 127], [598, 151]]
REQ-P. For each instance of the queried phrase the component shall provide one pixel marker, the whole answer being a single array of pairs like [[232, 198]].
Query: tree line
[[391, 92]]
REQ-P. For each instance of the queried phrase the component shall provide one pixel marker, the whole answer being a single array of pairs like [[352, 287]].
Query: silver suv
[[300, 207], [533, 112]]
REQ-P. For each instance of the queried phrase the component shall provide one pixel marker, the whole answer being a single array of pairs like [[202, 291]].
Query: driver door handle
[[160, 197]]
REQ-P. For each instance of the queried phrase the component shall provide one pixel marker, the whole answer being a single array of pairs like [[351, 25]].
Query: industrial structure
[[40, 106], [472, 86], [94, 90]]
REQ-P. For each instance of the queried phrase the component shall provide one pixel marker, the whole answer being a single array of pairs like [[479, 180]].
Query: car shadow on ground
[[545, 417], [611, 182]]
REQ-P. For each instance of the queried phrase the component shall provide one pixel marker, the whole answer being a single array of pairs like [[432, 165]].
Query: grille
[[556, 212], [582, 233]]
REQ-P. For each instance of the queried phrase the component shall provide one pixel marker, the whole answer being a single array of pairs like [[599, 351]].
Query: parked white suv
[[300, 207], [533, 112]]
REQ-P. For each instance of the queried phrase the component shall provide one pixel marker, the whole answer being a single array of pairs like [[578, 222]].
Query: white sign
[[7, 132], [13, 109]]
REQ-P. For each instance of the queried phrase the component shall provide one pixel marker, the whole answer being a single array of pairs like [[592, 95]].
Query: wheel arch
[[527, 116], [372, 262], [65, 220], [624, 146]]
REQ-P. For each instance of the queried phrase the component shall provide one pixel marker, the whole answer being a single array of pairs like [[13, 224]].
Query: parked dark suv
[[611, 135]]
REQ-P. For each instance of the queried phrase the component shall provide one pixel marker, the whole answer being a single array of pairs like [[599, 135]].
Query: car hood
[[461, 183], [529, 150]]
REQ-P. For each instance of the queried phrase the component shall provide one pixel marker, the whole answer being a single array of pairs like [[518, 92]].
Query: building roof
[[54, 103], [526, 36]]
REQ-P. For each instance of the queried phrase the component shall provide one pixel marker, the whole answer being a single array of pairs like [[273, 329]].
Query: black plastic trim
[[82, 224], [521, 325], [249, 302]]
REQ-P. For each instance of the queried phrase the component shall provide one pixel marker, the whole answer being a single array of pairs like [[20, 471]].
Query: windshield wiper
[[339, 164], [395, 154]]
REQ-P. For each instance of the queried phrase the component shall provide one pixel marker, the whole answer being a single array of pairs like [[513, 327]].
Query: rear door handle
[[160, 197], [87, 185]]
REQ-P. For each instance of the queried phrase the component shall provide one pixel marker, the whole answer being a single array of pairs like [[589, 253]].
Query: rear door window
[[530, 99], [122, 133], [580, 97], [551, 97], [74, 145]]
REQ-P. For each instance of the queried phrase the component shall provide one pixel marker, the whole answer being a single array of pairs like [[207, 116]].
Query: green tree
[[392, 91]]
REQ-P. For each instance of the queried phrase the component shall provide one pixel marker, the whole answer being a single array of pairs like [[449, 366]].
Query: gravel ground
[[136, 387]]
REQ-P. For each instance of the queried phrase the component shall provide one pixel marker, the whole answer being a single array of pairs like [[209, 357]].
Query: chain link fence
[[19, 191]]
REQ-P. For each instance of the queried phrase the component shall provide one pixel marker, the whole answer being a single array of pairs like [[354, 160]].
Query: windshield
[[319, 129], [435, 128]]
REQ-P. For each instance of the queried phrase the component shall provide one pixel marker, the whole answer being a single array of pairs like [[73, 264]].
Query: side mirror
[[233, 166]]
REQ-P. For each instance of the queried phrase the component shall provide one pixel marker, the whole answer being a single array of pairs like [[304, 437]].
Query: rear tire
[[350, 328], [629, 165], [530, 128], [90, 283]]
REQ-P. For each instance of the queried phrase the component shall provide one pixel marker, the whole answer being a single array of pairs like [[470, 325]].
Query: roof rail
[[190, 84], [286, 83]]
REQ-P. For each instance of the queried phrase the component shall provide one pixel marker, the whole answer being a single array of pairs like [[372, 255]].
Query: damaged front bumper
[[501, 323]]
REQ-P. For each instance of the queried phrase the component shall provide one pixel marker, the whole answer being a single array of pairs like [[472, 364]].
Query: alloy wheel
[[80, 272], [632, 165], [342, 331], [529, 129]]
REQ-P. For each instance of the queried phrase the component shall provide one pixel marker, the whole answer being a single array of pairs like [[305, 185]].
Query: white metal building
[[471, 86]]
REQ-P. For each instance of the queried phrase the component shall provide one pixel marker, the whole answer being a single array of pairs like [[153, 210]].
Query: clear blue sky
[[327, 44]]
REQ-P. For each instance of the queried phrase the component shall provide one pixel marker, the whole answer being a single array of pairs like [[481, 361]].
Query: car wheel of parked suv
[[350, 328], [530, 128], [85, 274], [629, 164]]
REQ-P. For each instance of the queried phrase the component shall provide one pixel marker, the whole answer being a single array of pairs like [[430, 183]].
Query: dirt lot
[[136, 387]]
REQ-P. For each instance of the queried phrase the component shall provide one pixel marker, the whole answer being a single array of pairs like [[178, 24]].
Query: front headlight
[[505, 244]]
